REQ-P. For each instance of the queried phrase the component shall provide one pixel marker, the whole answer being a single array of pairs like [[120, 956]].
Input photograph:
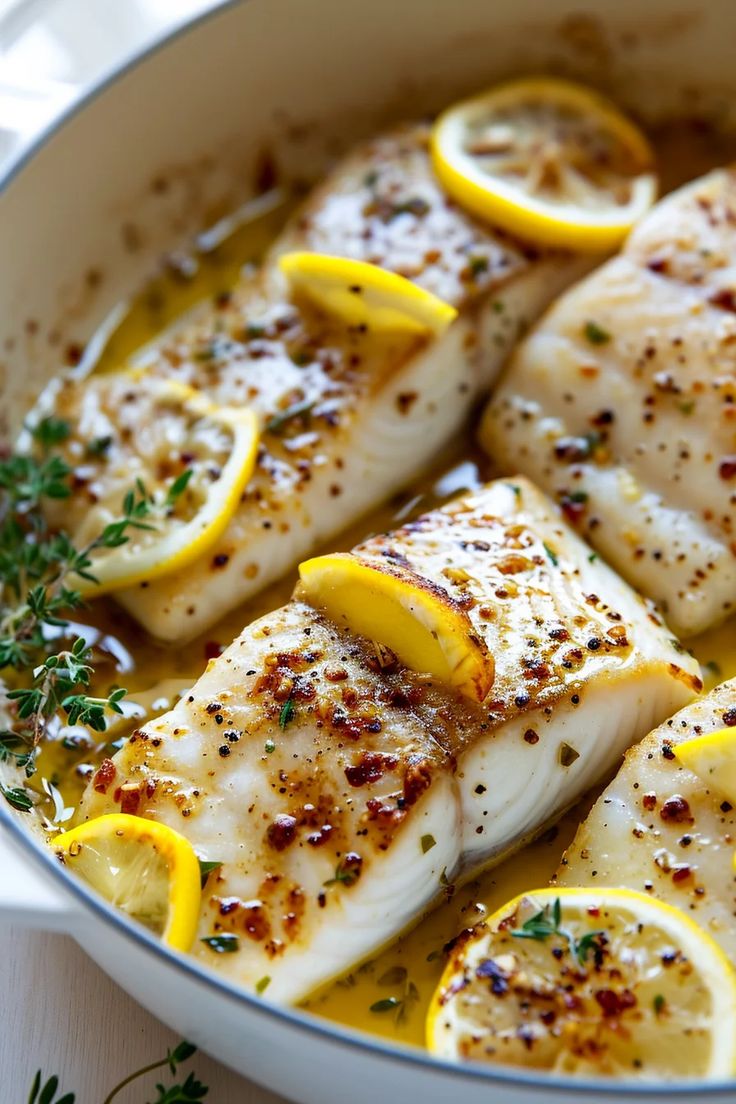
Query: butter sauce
[[389, 995]]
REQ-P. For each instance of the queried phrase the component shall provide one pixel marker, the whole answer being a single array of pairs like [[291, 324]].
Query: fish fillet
[[374, 408], [660, 829], [622, 405], [342, 793]]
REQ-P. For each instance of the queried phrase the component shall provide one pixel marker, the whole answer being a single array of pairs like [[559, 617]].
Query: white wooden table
[[61, 1013]]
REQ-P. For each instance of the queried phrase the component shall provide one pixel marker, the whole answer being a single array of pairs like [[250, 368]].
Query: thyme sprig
[[188, 1092], [548, 922], [37, 569]]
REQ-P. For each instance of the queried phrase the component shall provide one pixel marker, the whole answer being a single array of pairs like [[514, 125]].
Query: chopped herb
[[269, 747], [516, 489], [386, 1004], [346, 873], [434, 955], [593, 557], [222, 944], [177, 488], [686, 407], [477, 265], [427, 842], [296, 410], [262, 984], [205, 869], [551, 555], [255, 329], [415, 206], [443, 877], [395, 975], [595, 334], [98, 446], [287, 714], [498, 306], [658, 1003], [568, 755], [577, 496]]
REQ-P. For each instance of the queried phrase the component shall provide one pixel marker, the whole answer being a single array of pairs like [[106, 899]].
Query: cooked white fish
[[660, 829], [622, 404], [348, 417], [342, 792]]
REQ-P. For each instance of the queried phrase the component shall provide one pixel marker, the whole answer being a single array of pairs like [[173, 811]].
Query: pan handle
[[28, 897]]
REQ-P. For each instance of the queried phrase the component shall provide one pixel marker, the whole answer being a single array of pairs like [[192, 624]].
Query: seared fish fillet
[[342, 793], [374, 408], [658, 828], [621, 404]]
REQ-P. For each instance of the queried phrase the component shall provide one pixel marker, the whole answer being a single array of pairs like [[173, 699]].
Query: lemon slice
[[365, 294], [713, 758], [416, 619], [158, 434], [546, 159], [589, 982], [143, 867]]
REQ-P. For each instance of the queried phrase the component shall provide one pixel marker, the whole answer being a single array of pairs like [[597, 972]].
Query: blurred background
[[51, 50]]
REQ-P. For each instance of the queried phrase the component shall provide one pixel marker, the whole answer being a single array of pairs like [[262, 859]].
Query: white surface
[[60, 1012]]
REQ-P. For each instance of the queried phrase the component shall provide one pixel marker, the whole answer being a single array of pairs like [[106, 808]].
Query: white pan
[[138, 165]]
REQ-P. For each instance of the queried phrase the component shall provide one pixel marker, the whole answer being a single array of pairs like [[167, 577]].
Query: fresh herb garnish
[[551, 555], [401, 1005], [205, 869], [37, 567], [386, 1004], [548, 922], [296, 410], [189, 1092], [595, 334], [287, 714], [98, 446], [262, 984], [427, 842], [658, 1004], [347, 871], [222, 944]]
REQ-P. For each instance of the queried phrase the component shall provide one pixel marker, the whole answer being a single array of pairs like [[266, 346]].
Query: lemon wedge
[[589, 982], [190, 459], [365, 294], [141, 866], [713, 758], [416, 619], [547, 159]]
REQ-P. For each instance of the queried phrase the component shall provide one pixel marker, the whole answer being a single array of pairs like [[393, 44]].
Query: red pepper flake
[[676, 809], [727, 467], [282, 832], [729, 718], [370, 767], [104, 776], [725, 298], [613, 1003]]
